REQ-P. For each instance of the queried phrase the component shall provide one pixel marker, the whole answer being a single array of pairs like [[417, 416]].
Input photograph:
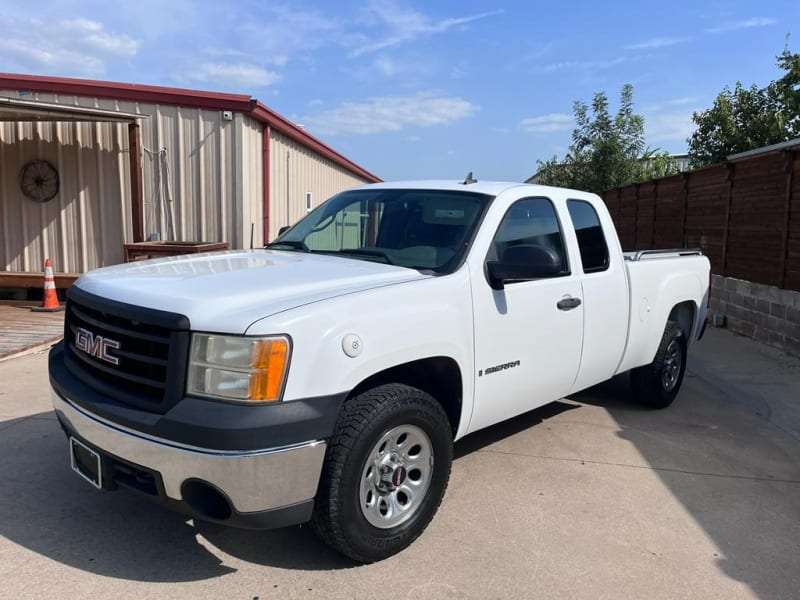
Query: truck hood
[[228, 291]]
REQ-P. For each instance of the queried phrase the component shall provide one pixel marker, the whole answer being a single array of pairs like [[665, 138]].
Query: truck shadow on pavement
[[505, 429], [49, 510], [735, 475], [52, 512]]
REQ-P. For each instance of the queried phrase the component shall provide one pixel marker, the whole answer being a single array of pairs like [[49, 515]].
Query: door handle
[[568, 303]]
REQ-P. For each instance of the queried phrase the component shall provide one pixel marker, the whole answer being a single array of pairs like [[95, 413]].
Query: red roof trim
[[285, 126], [152, 94], [134, 92]]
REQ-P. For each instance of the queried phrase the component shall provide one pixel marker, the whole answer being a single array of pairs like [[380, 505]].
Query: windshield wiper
[[293, 244], [368, 252]]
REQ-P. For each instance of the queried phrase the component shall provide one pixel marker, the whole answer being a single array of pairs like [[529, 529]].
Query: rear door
[[527, 340], [605, 295]]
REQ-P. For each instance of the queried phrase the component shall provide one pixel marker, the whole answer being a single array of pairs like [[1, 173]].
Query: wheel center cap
[[398, 476]]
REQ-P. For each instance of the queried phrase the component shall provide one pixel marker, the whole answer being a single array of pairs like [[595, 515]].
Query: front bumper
[[263, 488]]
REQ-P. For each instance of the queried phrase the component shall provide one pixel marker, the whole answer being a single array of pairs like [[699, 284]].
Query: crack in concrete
[[645, 467]]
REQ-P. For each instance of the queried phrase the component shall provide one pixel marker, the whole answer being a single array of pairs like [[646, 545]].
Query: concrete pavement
[[590, 497]]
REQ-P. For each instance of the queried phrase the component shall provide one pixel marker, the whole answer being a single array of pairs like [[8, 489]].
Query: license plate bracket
[[86, 462]]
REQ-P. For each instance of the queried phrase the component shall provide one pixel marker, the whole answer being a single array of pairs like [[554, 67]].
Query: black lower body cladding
[[208, 423], [200, 455]]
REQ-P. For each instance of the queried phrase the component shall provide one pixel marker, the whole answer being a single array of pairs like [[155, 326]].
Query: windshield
[[419, 229]]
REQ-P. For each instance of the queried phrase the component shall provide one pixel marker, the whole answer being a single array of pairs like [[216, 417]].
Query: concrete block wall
[[763, 312]]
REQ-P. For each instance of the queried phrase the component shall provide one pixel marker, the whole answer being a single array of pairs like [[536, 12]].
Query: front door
[[527, 339]]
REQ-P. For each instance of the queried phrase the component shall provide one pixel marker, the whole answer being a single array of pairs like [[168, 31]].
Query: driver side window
[[531, 222]]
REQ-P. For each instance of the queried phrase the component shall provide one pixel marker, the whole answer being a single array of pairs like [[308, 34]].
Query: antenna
[[470, 179]]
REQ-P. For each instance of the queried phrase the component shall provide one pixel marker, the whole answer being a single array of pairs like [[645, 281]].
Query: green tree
[[749, 117], [606, 151], [787, 88]]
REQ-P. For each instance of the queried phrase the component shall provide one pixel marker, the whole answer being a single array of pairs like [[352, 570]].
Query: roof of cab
[[492, 188]]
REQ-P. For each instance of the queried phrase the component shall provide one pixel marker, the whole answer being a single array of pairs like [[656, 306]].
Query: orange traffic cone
[[50, 300]]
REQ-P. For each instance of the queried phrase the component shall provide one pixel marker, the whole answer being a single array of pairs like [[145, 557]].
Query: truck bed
[[636, 255], [656, 280]]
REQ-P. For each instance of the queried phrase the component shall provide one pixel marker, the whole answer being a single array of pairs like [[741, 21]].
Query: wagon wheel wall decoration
[[38, 180]]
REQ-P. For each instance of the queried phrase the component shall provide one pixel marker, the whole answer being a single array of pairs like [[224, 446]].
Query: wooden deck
[[19, 279], [21, 329]]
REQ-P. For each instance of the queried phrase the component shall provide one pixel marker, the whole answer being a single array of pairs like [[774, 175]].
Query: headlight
[[238, 368]]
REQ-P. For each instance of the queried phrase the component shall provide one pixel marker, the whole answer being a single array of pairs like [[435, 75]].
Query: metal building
[[86, 166]]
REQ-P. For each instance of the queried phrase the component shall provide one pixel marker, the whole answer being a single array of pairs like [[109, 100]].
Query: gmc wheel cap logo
[[96, 345]]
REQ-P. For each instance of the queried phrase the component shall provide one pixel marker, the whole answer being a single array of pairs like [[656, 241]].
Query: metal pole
[[288, 214]]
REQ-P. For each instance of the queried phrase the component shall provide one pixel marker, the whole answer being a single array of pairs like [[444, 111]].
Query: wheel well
[[439, 376], [684, 314]]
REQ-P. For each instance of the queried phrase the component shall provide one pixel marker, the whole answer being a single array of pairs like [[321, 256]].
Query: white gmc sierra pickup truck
[[325, 377]]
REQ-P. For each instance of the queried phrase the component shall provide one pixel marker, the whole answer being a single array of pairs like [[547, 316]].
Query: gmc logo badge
[[96, 345]]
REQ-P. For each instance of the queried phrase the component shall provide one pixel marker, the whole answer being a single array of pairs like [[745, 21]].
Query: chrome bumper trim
[[254, 481]]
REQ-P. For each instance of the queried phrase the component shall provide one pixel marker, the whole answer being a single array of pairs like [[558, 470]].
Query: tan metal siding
[[206, 170], [188, 168], [212, 165], [82, 227], [307, 172], [250, 183]]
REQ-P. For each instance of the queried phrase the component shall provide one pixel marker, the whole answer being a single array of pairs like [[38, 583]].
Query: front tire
[[385, 472], [656, 385]]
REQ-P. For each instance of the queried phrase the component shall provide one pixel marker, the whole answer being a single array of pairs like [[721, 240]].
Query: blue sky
[[410, 89]]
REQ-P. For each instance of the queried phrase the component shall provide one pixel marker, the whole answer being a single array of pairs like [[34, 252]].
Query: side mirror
[[522, 263], [284, 229]]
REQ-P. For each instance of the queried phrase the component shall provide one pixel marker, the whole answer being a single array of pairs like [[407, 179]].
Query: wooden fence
[[744, 214]]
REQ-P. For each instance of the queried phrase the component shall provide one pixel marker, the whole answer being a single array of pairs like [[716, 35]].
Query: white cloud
[[410, 71], [668, 126], [385, 65], [405, 24], [665, 104], [65, 47], [413, 138], [581, 65], [279, 60], [682, 100], [548, 123], [461, 70], [538, 50], [242, 74], [93, 37], [279, 33], [391, 113], [742, 24], [657, 42], [670, 120]]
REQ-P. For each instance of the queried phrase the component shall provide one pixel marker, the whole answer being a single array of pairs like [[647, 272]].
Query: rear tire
[[385, 472], [656, 385]]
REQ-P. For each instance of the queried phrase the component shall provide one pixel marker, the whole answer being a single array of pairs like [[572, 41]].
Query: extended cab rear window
[[591, 241]]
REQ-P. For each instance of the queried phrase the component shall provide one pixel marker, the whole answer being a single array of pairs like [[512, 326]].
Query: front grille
[[128, 353]]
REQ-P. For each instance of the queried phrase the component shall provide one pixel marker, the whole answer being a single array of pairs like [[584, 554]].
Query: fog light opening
[[206, 500]]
